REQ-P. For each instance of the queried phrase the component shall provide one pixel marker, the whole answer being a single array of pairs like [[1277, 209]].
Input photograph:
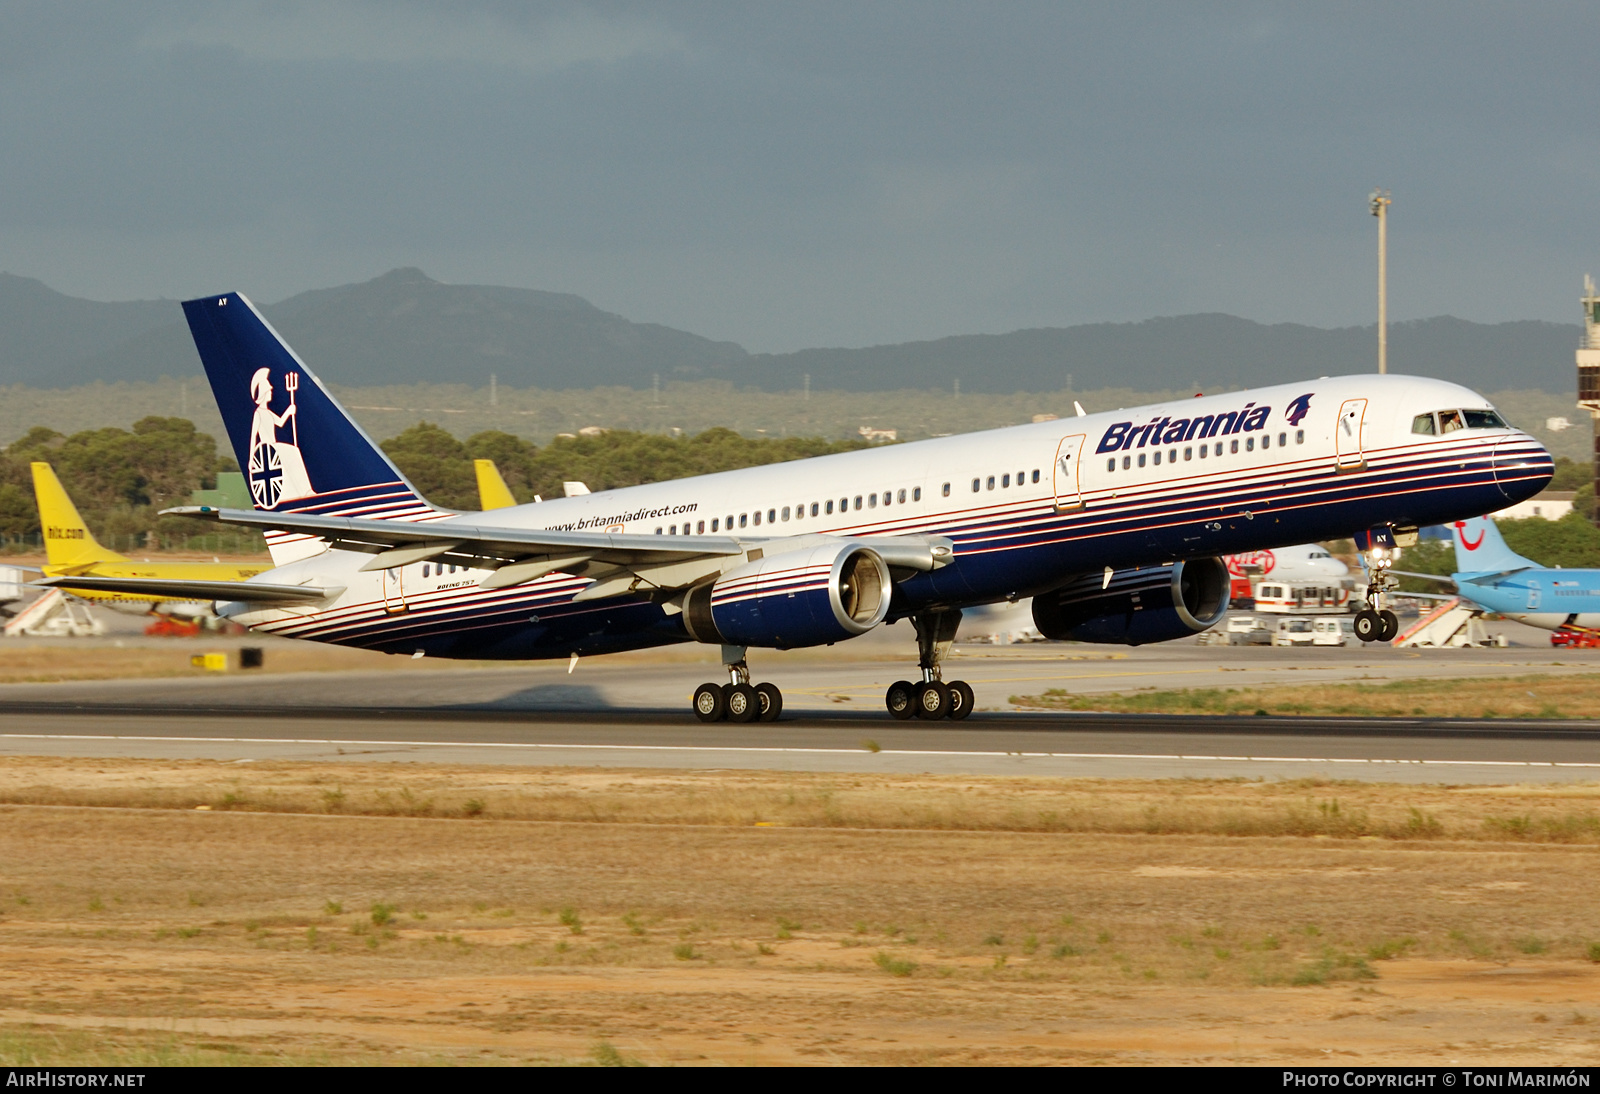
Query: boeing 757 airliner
[[1113, 523]]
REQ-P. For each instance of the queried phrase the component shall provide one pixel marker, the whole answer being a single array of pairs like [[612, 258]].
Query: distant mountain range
[[405, 328]]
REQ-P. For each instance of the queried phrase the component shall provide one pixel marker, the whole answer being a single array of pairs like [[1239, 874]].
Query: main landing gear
[[931, 698], [1375, 623], [737, 700]]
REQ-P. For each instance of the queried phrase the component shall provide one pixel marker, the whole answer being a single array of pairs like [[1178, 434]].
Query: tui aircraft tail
[[299, 449], [1480, 548], [67, 540]]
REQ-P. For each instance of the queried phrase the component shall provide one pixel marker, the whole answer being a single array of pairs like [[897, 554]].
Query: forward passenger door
[[1069, 473], [1347, 446]]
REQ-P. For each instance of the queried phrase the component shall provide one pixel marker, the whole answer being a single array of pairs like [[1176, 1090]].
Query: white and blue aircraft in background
[[1114, 523], [1492, 576]]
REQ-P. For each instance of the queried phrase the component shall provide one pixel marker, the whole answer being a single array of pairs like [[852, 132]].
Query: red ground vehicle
[[1575, 637]]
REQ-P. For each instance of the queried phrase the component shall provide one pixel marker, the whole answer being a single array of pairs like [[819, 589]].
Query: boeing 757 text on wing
[[1114, 523]]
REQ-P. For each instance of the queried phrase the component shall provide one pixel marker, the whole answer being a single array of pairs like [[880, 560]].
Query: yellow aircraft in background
[[71, 551], [493, 493]]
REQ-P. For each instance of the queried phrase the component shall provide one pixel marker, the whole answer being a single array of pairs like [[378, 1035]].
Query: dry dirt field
[[401, 914]]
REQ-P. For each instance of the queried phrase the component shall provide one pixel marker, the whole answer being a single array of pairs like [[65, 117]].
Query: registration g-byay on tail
[[1113, 522]]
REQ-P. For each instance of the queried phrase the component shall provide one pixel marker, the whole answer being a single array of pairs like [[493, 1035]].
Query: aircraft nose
[[1522, 467]]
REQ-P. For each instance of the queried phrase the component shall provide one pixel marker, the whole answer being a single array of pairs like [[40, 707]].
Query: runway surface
[[633, 712]]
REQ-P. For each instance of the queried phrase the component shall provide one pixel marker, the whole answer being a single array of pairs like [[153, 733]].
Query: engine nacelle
[[801, 598], [1144, 604]]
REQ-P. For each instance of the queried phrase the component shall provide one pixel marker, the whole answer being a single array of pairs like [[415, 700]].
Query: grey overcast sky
[[810, 174]]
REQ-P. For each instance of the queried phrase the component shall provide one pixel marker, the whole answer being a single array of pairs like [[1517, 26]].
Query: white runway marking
[[770, 750]]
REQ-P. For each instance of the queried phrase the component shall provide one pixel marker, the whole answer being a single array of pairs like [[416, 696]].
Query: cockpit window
[[1450, 421], [1422, 423], [1484, 419]]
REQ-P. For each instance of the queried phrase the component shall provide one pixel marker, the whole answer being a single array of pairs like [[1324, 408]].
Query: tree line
[[120, 479]]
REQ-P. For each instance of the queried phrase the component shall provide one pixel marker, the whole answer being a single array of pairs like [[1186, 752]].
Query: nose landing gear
[[931, 698], [737, 700], [1375, 623]]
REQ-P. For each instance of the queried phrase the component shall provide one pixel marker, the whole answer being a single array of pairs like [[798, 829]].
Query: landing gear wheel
[[1388, 625], [1368, 625], [743, 706], [961, 699], [710, 705], [769, 700], [932, 700], [901, 700]]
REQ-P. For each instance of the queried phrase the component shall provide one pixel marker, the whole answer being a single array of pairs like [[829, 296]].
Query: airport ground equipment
[[55, 615]]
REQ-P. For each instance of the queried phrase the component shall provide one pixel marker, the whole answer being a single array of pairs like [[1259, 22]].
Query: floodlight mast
[[1378, 201], [1589, 370]]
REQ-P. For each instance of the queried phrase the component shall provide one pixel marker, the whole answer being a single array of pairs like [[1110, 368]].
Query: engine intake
[[800, 598], [1139, 605]]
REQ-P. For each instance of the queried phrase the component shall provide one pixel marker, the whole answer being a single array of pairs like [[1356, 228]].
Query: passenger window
[[1019, 477], [991, 482], [1450, 421], [424, 569], [1127, 462], [1005, 480], [1299, 436], [829, 509], [1283, 439], [872, 501], [728, 524], [858, 502], [658, 531], [814, 508], [1203, 450], [673, 530], [977, 484], [772, 516], [700, 528], [785, 512], [1249, 444], [946, 490], [916, 493], [745, 517], [1111, 464], [1172, 456], [1233, 447], [1218, 452], [758, 518], [1157, 459], [713, 524], [901, 499], [1141, 459], [1188, 453], [1266, 440], [844, 505], [1423, 423], [888, 494], [1036, 475]]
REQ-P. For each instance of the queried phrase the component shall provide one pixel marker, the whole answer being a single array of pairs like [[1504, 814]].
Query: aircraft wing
[[1493, 575], [1426, 577], [617, 562], [179, 589]]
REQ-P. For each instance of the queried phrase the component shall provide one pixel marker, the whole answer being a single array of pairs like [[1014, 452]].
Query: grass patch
[[1558, 697], [894, 966]]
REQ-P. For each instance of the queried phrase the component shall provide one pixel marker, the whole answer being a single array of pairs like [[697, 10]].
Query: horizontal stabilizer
[[178, 589]]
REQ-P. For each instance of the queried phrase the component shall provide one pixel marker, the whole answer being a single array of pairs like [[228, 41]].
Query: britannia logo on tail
[[276, 472], [1298, 409]]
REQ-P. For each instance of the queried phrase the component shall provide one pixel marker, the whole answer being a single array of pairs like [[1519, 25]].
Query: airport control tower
[[1589, 371]]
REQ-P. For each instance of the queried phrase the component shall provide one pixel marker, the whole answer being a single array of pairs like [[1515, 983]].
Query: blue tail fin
[[1480, 548], [299, 450]]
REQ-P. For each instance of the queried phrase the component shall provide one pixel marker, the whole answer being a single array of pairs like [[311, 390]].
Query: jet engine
[[807, 597], [1139, 605]]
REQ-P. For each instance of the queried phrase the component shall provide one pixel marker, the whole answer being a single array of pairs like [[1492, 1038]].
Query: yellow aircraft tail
[[492, 490], [67, 540]]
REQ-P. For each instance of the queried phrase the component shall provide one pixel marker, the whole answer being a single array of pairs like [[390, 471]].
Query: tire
[[743, 706], [901, 700], [1388, 625], [1368, 625], [769, 700], [710, 705], [932, 700], [961, 699]]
